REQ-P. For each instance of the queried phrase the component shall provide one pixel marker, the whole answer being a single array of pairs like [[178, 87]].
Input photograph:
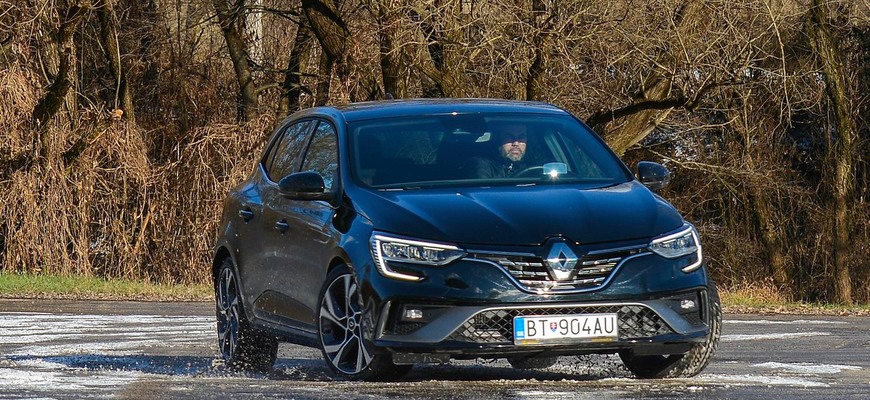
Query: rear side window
[[286, 154], [322, 155]]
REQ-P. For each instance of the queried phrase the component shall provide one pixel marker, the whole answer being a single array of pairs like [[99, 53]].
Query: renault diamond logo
[[561, 261]]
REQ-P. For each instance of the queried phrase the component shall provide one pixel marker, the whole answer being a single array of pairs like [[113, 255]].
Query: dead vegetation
[[758, 107]]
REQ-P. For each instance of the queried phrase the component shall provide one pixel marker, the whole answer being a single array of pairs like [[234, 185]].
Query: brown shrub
[[19, 97], [187, 202]]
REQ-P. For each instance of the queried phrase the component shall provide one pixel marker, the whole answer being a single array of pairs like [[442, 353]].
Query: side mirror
[[304, 186], [653, 175]]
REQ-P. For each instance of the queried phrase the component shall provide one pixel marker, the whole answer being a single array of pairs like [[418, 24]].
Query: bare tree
[[109, 33], [334, 36], [831, 57], [63, 49], [386, 15], [292, 87], [229, 19], [543, 25]]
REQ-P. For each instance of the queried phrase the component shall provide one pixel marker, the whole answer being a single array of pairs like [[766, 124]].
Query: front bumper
[[659, 326], [469, 305]]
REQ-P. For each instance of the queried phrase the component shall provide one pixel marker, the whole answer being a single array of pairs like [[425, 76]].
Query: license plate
[[531, 330]]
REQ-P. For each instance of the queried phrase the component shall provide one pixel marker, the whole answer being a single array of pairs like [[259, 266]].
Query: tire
[[681, 365], [242, 347], [341, 327], [532, 362]]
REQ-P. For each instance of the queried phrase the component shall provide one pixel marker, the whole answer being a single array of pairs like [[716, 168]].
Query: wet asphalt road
[[74, 350]]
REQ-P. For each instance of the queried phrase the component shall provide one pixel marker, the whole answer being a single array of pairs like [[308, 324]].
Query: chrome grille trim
[[530, 273]]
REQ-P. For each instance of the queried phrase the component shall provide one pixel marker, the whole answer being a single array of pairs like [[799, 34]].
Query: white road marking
[[809, 368], [769, 336]]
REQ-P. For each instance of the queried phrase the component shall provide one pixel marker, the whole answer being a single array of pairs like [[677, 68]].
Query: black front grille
[[496, 326], [591, 271]]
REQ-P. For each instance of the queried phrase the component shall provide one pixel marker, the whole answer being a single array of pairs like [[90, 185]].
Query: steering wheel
[[527, 171]]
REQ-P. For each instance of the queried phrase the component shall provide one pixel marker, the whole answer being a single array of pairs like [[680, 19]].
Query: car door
[[246, 203], [301, 242], [284, 158]]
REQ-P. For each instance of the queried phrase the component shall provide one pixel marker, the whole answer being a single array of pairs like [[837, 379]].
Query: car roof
[[412, 107]]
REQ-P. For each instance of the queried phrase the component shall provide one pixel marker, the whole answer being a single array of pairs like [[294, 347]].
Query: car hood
[[520, 215]]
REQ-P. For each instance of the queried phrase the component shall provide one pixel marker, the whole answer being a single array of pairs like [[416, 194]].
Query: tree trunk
[[768, 218], [635, 127], [109, 31], [146, 50], [831, 56], [391, 63], [292, 85], [62, 45], [772, 237], [655, 99], [535, 82], [391, 67], [444, 68], [228, 20], [324, 78], [333, 35], [254, 32]]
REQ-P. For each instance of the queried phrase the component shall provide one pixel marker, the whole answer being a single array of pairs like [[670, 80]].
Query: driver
[[507, 159]]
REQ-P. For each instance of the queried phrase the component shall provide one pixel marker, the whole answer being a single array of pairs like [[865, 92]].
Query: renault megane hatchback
[[395, 233]]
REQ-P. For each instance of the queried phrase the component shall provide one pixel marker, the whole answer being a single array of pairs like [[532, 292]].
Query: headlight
[[387, 249], [683, 243]]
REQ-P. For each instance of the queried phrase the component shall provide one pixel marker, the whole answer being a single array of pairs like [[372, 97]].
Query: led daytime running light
[[387, 248], [680, 244]]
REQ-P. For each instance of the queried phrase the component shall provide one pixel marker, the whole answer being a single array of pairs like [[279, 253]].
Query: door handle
[[282, 226], [246, 214]]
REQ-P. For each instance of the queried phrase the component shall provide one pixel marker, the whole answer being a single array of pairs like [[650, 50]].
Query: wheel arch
[[336, 261], [221, 254]]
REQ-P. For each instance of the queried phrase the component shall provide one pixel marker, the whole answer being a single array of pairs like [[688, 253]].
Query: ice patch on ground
[[749, 380], [100, 334], [43, 374], [770, 336], [808, 368], [540, 394]]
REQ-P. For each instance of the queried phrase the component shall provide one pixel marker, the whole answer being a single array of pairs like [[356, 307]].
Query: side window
[[270, 152], [322, 155], [287, 155]]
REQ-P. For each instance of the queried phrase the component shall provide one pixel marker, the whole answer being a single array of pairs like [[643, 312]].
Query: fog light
[[687, 304], [413, 314]]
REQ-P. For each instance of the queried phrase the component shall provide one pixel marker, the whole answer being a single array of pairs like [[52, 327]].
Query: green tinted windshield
[[479, 149]]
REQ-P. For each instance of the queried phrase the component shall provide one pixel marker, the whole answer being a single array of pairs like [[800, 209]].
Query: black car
[[394, 233]]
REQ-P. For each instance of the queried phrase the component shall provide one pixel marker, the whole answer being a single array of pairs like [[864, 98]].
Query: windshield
[[479, 149]]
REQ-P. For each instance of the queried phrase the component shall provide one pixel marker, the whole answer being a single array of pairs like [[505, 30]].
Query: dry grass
[[191, 192], [111, 213], [753, 294], [29, 286], [765, 298], [19, 97]]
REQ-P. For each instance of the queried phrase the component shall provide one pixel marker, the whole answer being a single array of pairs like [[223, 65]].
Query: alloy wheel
[[341, 331], [228, 313]]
